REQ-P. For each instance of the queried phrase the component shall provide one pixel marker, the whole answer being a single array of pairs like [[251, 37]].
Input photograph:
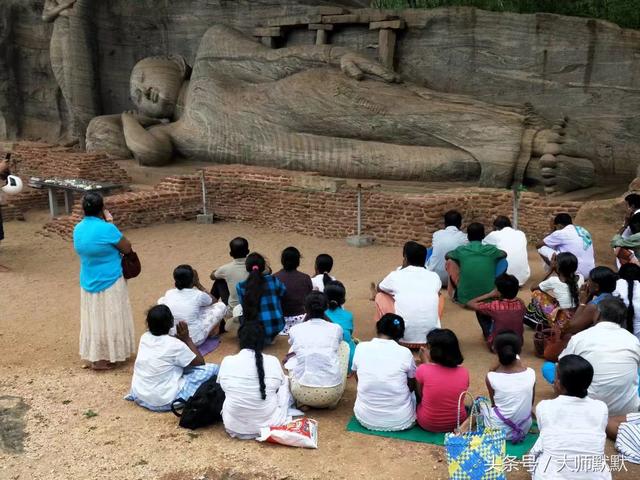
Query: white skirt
[[106, 324]]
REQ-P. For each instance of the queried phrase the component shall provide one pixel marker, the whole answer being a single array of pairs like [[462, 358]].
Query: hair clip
[[396, 322], [255, 268]]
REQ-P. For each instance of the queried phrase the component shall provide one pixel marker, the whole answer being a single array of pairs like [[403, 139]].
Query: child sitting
[[511, 389], [297, 287], [505, 312], [336, 295], [167, 368], [324, 264], [441, 379]]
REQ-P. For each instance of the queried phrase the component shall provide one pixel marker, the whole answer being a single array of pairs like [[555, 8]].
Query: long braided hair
[[567, 264], [251, 336], [631, 273], [254, 287]]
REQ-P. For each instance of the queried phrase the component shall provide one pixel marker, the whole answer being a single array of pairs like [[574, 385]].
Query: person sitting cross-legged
[[614, 354], [167, 368], [191, 303], [323, 267], [473, 267], [572, 426], [445, 241], [500, 309], [297, 286], [514, 243], [413, 292], [567, 237]]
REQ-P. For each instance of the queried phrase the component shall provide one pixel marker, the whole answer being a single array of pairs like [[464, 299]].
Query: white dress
[[513, 396], [622, 291]]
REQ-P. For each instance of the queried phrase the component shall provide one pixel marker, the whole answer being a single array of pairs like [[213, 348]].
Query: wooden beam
[[267, 32], [392, 24], [349, 18], [320, 26], [387, 47], [292, 20]]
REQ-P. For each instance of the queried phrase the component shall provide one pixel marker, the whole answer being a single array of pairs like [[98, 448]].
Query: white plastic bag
[[13, 186], [302, 433]]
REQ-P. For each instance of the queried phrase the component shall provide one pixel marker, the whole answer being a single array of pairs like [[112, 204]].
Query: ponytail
[[335, 293], [254, 287], [572, 283], [508, 346], [630, 273], [567, 264], [326, 278], [251, 336]]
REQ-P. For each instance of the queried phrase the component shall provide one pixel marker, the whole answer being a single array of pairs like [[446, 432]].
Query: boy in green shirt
[[477, 266]]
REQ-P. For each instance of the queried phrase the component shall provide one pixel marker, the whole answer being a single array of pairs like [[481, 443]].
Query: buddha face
[[155, 87]]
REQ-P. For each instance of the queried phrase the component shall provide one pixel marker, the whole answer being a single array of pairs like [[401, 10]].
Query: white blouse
[[244, 412], [622, 291], [571, 429], [315, 344]]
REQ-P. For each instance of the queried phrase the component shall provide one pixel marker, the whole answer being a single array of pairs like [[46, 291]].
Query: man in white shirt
[[445, 241], [567, 237], [614, 353], [514, 243], [413, 292]]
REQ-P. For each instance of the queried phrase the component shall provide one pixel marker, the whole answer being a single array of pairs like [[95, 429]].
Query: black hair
[[391, 325], [613, 310], [634, 223], [575, 374], [183, 277], [563, 219], [415, 254], [159, 320], [254, 287], [324, 264], [633, 200], [239, 247], [251, 335], [567, 265], [508, 346], [508, 286], [453, 219], [475, 232], [631, 273], [92, 204], [290, 259], [444, 348], [605, 278], [315, 304], [336, 294], [501, 222]]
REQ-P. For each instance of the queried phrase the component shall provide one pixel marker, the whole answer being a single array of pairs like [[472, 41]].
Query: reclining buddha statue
[[330, 110]]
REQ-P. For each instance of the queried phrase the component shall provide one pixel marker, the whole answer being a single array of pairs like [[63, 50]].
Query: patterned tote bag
[[479, 453]]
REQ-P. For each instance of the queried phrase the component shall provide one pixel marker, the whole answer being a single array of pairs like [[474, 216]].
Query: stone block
[[360, 241]]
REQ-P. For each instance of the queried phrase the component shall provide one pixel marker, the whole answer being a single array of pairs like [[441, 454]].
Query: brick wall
[[309, 204], [30, 159]]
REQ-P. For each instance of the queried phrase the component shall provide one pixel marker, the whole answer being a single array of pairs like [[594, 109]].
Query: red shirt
[[441, 389], [506, 315]]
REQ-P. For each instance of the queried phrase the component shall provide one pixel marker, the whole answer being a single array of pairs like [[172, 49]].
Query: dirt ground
[[76, 424]]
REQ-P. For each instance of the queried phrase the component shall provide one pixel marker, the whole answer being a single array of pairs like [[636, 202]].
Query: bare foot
[[373, 291], [101, 365]]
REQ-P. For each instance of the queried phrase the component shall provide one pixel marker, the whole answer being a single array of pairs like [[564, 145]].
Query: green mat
[[416, 434]]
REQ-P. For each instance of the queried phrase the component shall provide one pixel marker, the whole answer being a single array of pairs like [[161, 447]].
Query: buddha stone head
[[156, 83]]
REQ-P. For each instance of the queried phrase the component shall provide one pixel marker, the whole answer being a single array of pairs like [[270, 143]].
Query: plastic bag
[[298, 433]]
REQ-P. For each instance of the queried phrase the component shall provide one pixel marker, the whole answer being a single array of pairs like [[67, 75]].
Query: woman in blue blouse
[[336, 296], [106, 322]]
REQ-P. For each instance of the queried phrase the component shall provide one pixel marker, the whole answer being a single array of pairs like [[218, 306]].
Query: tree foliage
[[625, 13]]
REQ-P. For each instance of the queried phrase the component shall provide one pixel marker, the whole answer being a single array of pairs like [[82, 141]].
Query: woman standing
[[106, 322]]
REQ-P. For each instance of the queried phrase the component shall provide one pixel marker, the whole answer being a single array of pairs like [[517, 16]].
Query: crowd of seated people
[[412, 373]]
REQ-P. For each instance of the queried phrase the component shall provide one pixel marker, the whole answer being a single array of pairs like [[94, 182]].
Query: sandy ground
[[39, 325]]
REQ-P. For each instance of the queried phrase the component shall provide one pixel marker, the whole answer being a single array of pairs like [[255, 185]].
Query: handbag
[[131, 266], [479, 453], [204, 408]]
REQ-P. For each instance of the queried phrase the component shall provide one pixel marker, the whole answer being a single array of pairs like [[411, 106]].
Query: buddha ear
[[182, 64]]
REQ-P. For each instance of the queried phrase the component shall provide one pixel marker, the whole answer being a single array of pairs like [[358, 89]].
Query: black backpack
[[203, 408]]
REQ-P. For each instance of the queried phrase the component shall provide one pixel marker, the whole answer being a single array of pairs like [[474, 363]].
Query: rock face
[[584, 69]]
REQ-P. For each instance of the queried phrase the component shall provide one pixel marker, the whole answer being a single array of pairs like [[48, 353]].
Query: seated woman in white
[[386, 374], [191, 303], [167, 368], [572, 426], [511, 389], [628, 287], [256, 389], [319, 358]]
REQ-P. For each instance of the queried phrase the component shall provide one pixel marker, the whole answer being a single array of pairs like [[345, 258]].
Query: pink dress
[[441, 389]]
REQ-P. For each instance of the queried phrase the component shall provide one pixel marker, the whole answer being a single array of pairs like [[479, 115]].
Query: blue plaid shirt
[[270, 308]]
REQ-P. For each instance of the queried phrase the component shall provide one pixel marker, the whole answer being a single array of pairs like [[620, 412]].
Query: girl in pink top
[[440, 381]]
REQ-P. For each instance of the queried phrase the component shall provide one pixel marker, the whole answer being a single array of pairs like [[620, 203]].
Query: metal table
[[69, 186]]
